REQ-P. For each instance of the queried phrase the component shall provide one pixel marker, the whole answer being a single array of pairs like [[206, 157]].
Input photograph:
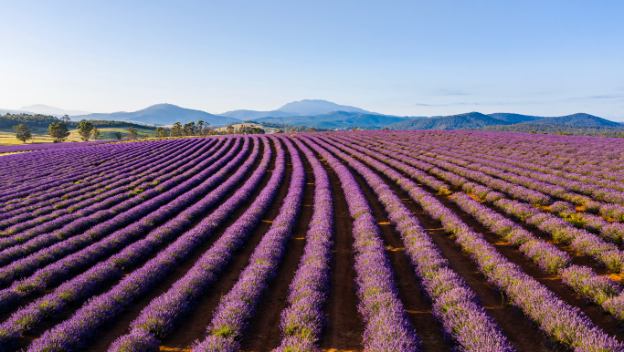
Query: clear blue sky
[[399, 57]]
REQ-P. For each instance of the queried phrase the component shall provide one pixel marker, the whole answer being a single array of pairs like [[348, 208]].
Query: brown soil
[[602, 319], [520, 330], [576, 258], [415, 300], [122, 323], [27, 299], [84, 228], [196, 322], [264, 331], [596, 314], [344, 326]]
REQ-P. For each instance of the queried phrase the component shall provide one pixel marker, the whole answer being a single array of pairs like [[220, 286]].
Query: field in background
[[8, 138], [373, 240]]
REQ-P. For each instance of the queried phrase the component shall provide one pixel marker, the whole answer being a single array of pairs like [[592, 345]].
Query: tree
[[117, 135], [22, 132], [250, 130], [189, 129], [132, 133], [58, 131], [95, 133], [65, 119], [176, 130], [202, 127], [85, 128], [162, 132]]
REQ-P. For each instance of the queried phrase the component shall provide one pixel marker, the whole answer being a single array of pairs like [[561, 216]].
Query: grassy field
[[8, 138]]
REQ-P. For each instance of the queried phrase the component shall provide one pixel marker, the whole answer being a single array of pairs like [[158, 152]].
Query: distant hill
[[12, 111], [39, 123], [471, 120], [580, 120], [40, 109], [327, 115], [476, 120], [509, 118], [254, 114], [51, 110], [317, 107], [576, 124], [335, 120], [162, 114], [36, 123], [306, 107]]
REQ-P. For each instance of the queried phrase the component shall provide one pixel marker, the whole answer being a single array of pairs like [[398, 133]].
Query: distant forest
[[560, 130], [39, 123]]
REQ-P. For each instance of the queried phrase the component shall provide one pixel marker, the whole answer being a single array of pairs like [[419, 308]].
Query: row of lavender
[[127, 181], [44, 146], [551, 259], [582, 156], [47, 247], [48, 164], [564, 323], [583, 241], [118, 159], [103, 272], [64, 266]]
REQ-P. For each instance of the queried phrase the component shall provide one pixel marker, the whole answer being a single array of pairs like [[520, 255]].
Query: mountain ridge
[[52, 110], [334, 120], [304, 107], [162, 114], [477, 120], [327, 115]]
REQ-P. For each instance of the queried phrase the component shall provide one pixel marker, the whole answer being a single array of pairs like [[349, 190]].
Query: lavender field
[[341, 241]]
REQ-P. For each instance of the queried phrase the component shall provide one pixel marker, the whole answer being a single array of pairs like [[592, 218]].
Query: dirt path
[[264, 332], [520, 330], [553, 282], [415, 300], [195, 323], [344, 326], [122, 323]]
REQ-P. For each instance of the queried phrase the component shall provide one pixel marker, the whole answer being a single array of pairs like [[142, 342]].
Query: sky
[[413, 58]]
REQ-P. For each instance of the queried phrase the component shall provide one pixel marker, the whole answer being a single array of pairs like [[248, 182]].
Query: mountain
[[580, 120], [39, 123], [476, 120], [162, 114], [253, 114], [51, 110], [317, 107], [10, 111], [323, 114], [470, 120], [306, 107], [509, 118], [40, 109], [335, 120]]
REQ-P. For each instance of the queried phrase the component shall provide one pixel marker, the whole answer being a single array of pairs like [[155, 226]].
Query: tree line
[[59, 132], [58, 129], [199, 128]]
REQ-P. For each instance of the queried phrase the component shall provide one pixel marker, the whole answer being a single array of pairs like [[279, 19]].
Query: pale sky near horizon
[[396, 57]]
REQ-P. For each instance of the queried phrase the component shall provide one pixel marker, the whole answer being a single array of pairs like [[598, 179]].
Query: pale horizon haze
[[409, 58]]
